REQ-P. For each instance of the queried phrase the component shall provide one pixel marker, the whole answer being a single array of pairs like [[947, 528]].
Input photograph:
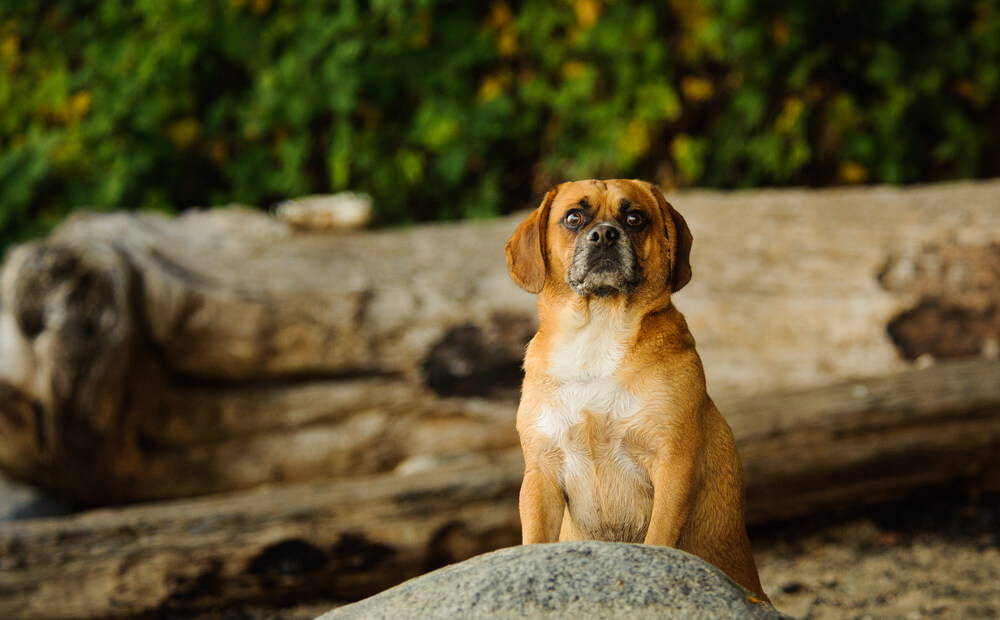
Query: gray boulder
[[567, 580]]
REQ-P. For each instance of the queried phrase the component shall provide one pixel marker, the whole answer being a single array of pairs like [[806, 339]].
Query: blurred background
[[220, 413], [445, 110]]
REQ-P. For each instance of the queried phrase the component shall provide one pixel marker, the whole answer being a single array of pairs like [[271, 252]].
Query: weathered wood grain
[[144, 356], [869, 441]]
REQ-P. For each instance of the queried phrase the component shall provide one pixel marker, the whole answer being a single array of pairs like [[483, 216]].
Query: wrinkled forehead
[[603, 198]]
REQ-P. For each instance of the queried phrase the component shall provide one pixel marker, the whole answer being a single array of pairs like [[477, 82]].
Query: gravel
[[918, 559]]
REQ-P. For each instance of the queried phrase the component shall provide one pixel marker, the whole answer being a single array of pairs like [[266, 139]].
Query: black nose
[[603, 235]]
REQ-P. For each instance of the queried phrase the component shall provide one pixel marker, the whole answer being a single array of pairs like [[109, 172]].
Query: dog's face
[[602, 238]]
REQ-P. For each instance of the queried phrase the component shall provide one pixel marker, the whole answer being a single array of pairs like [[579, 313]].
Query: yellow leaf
[[573, 69], [500, 16], [634, 141], [490, 88], [697, 88], [688, 154], [78, 106], [63, 152], [693, 22], [852, 172], [790, 115], [183, 132], [10, 46], [507, 44], [587, 12]]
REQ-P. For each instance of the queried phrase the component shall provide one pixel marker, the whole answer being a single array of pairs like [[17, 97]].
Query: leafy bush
[[445, 109]]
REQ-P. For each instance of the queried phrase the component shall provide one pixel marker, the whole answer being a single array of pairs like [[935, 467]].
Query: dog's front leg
[[672, 488], [541, 506]]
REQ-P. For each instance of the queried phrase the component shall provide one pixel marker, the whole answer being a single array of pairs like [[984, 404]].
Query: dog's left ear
[[526, 248], [680, 267]]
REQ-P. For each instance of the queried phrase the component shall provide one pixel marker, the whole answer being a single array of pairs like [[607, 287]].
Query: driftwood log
[[146, 357], [804, 451]]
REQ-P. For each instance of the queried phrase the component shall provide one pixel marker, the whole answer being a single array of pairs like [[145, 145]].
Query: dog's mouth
[[605, 261], [604, 272]]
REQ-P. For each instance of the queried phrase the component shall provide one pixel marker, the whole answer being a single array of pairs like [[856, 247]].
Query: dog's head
[[602, 238]]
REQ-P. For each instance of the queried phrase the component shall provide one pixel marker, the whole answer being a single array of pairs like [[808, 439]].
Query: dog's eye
[[634, 219], [574, 219]]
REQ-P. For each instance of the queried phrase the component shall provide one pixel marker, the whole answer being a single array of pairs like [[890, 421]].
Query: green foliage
[[442, 108]]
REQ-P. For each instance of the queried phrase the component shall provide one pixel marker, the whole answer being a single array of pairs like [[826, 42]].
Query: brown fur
[[643, 455]]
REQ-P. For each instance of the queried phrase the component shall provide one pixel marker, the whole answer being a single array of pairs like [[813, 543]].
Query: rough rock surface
[[567, 580]]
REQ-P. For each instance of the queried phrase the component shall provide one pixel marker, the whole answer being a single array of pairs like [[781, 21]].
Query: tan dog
[[621, 441]]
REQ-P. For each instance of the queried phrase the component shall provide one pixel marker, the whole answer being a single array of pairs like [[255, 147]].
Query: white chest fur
[[587, 418], [584, 363]]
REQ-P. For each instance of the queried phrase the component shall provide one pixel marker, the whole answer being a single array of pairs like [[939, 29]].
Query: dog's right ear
[[526, 248], [680, 256]]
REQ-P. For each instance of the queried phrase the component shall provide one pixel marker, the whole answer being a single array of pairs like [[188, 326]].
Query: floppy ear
[[526, 248], [680, 267]]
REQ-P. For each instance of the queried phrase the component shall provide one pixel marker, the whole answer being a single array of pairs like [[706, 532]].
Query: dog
[[621, 441]]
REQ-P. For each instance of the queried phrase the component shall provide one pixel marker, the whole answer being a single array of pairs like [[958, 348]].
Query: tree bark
[[869, 441], [803, 452], [337, 540], [146, 357]]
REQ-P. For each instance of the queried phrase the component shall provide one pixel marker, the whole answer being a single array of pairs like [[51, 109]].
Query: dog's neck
[[577, 311], [588, 337]]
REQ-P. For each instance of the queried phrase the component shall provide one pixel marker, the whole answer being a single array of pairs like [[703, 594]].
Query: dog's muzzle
[[604, 262]]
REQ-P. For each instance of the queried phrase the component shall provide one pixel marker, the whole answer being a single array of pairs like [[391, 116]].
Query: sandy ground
[[915, 560]]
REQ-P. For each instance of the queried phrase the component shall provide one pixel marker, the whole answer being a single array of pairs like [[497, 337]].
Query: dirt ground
[[933, 559]]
